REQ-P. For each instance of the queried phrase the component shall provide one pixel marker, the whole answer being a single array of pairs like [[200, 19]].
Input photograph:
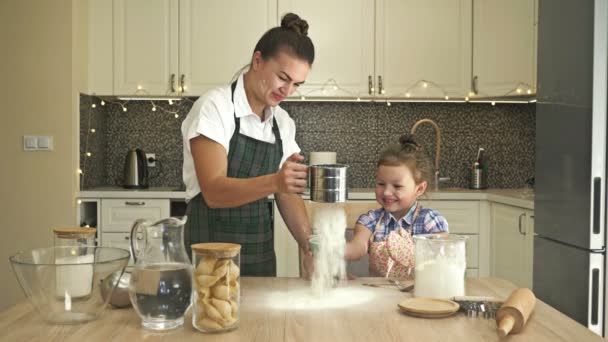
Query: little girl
[[403, 173]]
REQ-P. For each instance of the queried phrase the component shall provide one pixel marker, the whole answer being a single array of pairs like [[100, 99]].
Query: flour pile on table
[[329, 223]]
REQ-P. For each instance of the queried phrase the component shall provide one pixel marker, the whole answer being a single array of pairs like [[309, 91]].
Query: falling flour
[[329, 223]]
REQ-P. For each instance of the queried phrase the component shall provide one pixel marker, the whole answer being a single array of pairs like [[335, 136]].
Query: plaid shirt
[[428, 221]]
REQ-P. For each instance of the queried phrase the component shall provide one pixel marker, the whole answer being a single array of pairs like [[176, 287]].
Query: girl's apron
[[249, 225], [393, 256]]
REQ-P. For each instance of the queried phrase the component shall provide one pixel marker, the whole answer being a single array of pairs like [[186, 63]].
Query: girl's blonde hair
[[409, 153]]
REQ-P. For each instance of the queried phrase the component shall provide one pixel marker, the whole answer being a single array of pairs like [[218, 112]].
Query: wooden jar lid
[[217, 249], [67, 232], [428, 307]]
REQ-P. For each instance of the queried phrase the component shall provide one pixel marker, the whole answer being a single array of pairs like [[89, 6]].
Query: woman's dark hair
[[409, 153], [291, 37]]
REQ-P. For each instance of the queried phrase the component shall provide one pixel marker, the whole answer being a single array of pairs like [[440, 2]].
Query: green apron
[[249, 225]]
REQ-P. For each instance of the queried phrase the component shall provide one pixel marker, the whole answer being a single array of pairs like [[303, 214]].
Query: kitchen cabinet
[[171, 47], [504, 47], [512, 231], [384, 47], [467, 218]]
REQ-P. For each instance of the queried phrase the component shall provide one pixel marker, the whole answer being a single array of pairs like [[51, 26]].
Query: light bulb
[[180, 89], [302, 98], [79, 201], [471, 94], [388, 104], [373, 89], [93, 105], [518, 90], [335, 87], [171, 102], [176, 116], [80, 171], [103, 103], [185, 88], [124, 109], [493, 103], [408, 94], [358, 99], [88, 154], [466, 98], [139, 87], [154, 108], [424, 84], [529, 91], [92, 130], [382, 91], [447, 97]]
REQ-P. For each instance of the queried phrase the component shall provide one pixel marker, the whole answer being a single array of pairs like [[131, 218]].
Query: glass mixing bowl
[[64, 283]]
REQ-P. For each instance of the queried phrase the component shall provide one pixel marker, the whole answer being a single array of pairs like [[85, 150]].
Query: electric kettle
[[136, 170]]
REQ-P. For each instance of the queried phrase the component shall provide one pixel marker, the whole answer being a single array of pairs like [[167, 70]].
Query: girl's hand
[[292, 176]]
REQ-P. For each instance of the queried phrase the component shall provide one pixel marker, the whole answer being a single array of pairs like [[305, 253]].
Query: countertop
[[516, 197], [271, 311]]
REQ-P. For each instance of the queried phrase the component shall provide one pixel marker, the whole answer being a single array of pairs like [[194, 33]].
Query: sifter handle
[[505, 325]]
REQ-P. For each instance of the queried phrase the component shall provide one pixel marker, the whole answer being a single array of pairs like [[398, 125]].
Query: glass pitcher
[[440, 265], [160, 288]]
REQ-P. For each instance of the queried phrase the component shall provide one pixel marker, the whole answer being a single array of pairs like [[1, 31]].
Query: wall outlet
[[151, 163]]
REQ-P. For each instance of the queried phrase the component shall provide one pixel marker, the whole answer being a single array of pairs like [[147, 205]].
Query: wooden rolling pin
[[514, 313]]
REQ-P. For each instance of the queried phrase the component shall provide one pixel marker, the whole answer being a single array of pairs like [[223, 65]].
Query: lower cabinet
[[464, 218], [512, 244]]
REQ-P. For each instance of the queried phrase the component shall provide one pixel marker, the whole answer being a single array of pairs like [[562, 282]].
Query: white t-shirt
[[212, 115]]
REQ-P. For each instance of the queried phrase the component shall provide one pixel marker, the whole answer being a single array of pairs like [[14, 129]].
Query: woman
[[239, 148]]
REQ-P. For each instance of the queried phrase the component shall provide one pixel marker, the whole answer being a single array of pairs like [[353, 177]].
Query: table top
[[284, 309]]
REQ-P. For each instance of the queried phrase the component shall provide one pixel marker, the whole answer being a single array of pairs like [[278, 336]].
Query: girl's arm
[[357, 246]]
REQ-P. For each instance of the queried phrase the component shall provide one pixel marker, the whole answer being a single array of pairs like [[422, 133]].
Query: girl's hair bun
[[408, 141], [293, 22]]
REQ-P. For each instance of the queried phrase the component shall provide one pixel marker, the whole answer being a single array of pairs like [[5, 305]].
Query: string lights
[[155, 105], [412, 94]]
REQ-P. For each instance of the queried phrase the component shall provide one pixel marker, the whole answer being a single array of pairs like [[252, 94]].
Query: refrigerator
[[570, 193]]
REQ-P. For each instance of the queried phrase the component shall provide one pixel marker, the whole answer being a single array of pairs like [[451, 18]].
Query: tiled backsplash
[[356, 131]]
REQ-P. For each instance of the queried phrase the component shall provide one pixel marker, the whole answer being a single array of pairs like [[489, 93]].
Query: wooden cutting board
[[428, 307]]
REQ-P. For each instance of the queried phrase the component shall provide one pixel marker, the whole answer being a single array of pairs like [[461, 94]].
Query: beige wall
[[40, 64]]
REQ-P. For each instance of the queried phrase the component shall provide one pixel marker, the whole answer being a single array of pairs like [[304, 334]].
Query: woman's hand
[[292, 176]]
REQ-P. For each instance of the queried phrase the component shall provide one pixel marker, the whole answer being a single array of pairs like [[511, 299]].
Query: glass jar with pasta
[[216, 286]]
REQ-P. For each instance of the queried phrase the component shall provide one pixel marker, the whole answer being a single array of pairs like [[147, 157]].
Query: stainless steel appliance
[[136, 169], [570, 198]]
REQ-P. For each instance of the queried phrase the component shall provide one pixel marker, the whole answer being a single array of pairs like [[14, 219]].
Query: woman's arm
[[221, 191], [357, 246]]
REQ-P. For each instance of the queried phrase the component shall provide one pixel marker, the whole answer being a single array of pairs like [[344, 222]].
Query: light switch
[[45, 142], [30, 143]]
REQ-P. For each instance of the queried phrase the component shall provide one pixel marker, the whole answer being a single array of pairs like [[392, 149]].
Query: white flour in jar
[[442, 277], [329, 223]]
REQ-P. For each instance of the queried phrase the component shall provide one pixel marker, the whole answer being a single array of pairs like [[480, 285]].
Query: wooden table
[[264, 317]]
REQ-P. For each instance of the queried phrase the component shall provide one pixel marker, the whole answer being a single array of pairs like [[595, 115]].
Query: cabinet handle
[[380, 87], [370, 85], [474, 85], [135, 203], [520, 225], [172, 83], [182, 83]]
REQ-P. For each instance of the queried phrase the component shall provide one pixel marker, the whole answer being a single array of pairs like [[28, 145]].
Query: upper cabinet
[[384, 48], [423, 48], [171, 47], [145, 46], [343, 34], [504, 47], [217, 39]]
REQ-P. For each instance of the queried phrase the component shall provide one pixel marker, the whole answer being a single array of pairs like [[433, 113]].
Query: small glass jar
[[75, 237], [74, 281], [217, 285], [440, 265]]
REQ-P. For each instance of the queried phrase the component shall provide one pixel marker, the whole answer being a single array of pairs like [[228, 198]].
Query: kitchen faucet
[[438, 148]]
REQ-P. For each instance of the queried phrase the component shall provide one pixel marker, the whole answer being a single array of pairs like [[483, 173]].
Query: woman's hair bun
[[292, 21], [407, 140]]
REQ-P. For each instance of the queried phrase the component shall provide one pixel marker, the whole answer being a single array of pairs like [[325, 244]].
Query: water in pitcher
[[161, 291]]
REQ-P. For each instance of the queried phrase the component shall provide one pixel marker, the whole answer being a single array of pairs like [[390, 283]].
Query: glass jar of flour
[[440, 265], [217, 283], [74, 281]]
